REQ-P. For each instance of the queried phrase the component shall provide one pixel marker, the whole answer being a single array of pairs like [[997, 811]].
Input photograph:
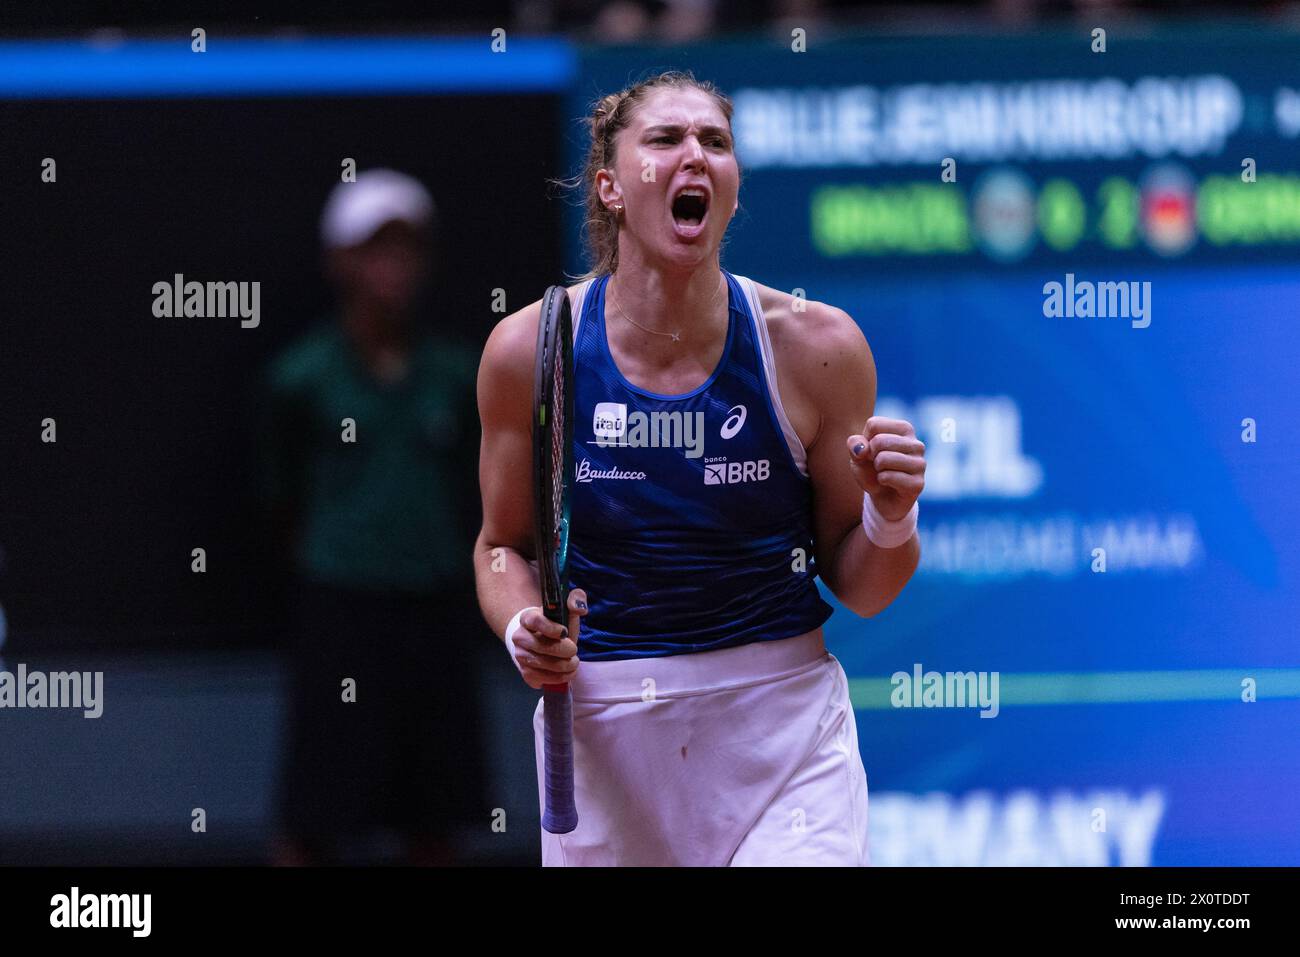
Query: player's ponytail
[[610, 114]]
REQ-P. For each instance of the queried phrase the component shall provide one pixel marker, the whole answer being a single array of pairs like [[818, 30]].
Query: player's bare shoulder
[[805, 330], [819, 351], [508, 363]]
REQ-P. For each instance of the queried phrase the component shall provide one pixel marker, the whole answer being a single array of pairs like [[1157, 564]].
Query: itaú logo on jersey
[[586, 473], [610, 421], [721, 472]]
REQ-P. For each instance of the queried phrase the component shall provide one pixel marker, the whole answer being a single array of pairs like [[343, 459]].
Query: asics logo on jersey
[[735, 421], [733, 473]]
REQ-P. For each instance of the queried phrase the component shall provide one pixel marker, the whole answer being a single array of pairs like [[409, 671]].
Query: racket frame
[[555, 460]]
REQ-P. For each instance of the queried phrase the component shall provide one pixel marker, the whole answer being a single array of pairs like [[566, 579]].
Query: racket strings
[[557, 456]]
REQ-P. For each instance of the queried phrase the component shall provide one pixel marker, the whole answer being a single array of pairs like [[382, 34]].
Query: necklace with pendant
[[676, 336]]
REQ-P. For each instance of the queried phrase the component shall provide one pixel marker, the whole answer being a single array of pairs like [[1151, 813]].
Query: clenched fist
[[888, 460]]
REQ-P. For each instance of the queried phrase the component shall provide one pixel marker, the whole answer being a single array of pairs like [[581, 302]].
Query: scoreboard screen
[[1079, 273]]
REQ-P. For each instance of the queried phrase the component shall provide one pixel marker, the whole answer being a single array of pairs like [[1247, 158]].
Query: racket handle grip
[[561, 814]]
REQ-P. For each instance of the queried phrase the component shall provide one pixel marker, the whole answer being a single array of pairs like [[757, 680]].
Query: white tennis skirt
[[743, 756]]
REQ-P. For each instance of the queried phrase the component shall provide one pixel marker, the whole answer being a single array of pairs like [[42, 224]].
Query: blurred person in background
[[370, 443]]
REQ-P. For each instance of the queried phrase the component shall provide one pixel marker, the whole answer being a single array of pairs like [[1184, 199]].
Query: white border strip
[[769, 369], [581, 298]]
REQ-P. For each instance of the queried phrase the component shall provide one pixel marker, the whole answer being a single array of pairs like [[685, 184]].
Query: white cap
[[355, 211]]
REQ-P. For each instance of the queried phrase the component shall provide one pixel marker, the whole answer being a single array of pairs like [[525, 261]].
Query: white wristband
[[884, 533], [510, 633]]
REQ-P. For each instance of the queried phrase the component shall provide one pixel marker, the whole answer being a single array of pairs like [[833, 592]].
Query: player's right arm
[[505, 575]]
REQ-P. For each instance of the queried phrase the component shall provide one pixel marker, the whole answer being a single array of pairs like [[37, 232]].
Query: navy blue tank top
[[691, 526]]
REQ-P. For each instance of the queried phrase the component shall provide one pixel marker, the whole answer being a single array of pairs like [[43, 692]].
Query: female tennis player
[[726, 455]]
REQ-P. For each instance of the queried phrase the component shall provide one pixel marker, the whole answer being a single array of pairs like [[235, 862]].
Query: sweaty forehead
[[685, 107]]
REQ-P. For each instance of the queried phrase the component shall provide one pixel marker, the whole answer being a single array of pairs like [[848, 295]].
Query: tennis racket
[[552, 481]]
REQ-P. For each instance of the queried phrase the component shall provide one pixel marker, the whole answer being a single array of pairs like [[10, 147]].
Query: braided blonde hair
[[610, 114]]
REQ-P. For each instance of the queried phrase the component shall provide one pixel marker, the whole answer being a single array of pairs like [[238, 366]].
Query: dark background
[[156, 452]]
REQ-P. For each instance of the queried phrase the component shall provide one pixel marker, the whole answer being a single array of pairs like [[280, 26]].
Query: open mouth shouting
[[690, 208]]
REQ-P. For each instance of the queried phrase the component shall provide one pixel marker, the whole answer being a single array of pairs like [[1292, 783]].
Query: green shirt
[[394, 507]]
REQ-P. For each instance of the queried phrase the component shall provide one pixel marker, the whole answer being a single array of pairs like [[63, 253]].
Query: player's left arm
[[888, 464]]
